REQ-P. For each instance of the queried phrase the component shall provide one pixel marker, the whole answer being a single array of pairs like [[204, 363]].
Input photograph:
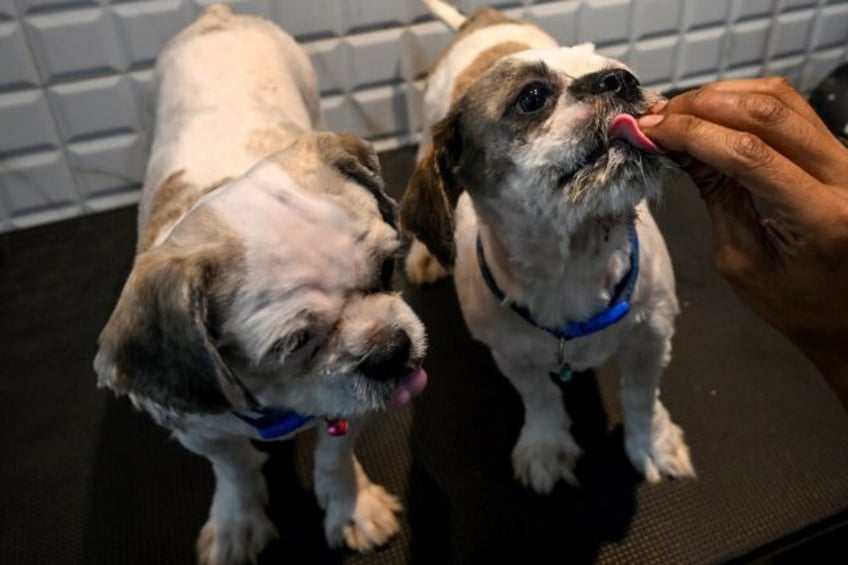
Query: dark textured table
[[86, 481]]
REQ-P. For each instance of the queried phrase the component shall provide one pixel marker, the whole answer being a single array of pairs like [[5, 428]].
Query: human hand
[[775, 182]]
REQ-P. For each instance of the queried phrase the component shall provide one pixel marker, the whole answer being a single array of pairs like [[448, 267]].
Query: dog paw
[[421, 266], [372, 524], [540, 462], [234, 541], [662, 454]]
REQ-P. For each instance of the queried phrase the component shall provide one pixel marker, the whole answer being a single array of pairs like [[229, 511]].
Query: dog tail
[[452, 17], [218, 10]]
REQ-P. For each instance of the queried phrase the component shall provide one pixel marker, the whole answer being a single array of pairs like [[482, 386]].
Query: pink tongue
[[411, 385], [624, 127]]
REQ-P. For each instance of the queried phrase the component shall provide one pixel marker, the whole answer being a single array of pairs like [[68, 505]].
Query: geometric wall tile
[[655, 17], [788, 5], [653, 60], [26, 123], [373, 58], [789, 68], [87, 108], [747, 43], [701, 52], [792, 33], [748, 9], [833, 27], [7, 10], [604, 21], [77, 93], [108, 166], [379, 112], [17, 69], [559, 19], [143, 27], [38, 186], [329, 59], [312, 19], [75, 44], [699, 14], [422, 43], [364, 15], [36, 6]]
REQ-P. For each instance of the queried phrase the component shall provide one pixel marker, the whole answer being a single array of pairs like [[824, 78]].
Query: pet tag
[[564, 368], [337, 426]]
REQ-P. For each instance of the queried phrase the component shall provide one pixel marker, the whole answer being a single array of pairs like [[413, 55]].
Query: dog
[[531, 187], [260, 302]]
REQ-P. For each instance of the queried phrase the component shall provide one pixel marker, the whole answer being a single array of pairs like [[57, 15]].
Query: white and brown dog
[[531, 187], [259, 303]]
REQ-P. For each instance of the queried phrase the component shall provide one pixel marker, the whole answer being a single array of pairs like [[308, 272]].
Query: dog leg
[[654, 444], [237, 529], [545, 451], [359, 513], [421, 266]]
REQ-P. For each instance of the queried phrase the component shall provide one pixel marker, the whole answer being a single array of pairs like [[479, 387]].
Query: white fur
[[309, 237], [547, 253]]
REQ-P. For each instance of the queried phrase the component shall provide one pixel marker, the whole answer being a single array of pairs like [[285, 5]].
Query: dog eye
[[533, 97]]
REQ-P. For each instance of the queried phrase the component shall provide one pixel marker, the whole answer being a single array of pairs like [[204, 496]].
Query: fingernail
[[650, 120], [659, 106]]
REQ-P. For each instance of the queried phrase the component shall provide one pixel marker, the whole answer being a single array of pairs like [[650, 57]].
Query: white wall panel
[[75, 74]]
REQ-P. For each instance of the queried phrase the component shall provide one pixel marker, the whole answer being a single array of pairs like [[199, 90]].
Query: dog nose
[[618, 82], [389, 358]]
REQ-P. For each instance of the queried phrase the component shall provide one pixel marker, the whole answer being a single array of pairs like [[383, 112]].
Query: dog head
[[533, 135], [274, 290]]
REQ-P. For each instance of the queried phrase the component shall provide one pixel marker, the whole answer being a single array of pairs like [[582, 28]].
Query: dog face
[[275, 290], [532, 136]]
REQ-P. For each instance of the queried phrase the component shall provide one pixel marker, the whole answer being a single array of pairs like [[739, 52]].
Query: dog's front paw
[[234, 541], [662, 453], [421, 266], [541, 460], [371, 524]]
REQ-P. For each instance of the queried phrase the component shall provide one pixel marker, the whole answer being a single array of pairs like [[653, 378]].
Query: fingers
[[739, 155], [783, 121], [778, 87]]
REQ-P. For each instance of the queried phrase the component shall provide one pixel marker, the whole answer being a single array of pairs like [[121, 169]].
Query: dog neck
[[558, 277]]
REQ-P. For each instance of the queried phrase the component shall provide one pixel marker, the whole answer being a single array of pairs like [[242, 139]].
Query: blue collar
[[617, 309], [271, 423], [276, 423]]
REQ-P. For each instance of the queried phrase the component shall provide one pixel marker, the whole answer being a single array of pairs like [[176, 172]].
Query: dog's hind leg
[[654, 443], [359, 513], [545, 451], [237, 529]]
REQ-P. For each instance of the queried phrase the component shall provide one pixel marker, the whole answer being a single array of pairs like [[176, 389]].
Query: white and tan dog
[[259, 303], [531, 187]]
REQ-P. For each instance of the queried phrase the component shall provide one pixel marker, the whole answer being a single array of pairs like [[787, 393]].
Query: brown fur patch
[[174, 198], [482, 62], [478, 19], [159, 343]]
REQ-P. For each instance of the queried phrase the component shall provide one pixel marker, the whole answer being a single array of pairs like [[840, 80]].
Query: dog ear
[[356, 158], [427, 206], [156, 345]]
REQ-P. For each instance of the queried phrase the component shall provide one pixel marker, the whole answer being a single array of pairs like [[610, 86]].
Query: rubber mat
[[85, 480]]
